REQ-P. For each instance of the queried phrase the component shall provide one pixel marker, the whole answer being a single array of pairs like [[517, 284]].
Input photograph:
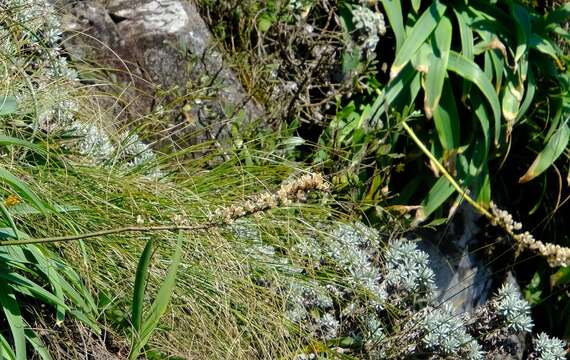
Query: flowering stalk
[[295, 190], [556, 255]]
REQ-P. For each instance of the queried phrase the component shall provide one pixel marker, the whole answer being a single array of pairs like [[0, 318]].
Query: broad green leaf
[[22, 189], [37, 344], [441, 44], [139, 287], [401, 83], [6, 352], [160, 304], [528, 96], [8, 105], [482, 114], [438, 194], [422, 58], [523, 30], [483, 193], [554, 148], [498, 69], [419, 34], [469, 70], [546, 47], [14, 317], [467, 42], [393, 11], [446, 119], [512, 97]]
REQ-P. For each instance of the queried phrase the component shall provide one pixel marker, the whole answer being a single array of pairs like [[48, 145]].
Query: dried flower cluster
[[293, 190], [556, 255]]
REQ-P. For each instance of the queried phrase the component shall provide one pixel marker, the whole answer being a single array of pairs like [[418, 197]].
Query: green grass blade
[[8, 105], [469, 70], [393, 11], [9, 140], [14, 317], [418, 35], [160, 304], [441, 45], [553, 149], [44, 265], [10, 220], [28, 287], [22, 189], [446, 119], [140, 284]]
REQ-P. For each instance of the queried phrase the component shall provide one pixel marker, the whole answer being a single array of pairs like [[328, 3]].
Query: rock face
[[162, 55], [463, 279]]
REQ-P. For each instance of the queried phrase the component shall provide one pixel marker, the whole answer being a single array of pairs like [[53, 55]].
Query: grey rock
[[160, 50], [462, 278]]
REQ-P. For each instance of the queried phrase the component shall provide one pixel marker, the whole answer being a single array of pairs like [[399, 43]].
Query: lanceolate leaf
[[446, 119], [480, 111], [419, 34], [467, 42], [14, 317], [554, 148], [441, 44], [438, 194], [393, 11], [140, 284], [523, 30], [470, 71], [160, 304], [529, 94], [401, 83], [546, 47]]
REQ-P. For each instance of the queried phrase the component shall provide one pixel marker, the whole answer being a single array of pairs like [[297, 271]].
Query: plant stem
[[445, 173], [108, 232]]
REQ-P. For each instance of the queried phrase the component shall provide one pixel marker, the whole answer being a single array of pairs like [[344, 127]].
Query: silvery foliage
[[353, 248], [444, 333], [513, 309], [548, 348], [407, 268], [370, 26], [40, 35]]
